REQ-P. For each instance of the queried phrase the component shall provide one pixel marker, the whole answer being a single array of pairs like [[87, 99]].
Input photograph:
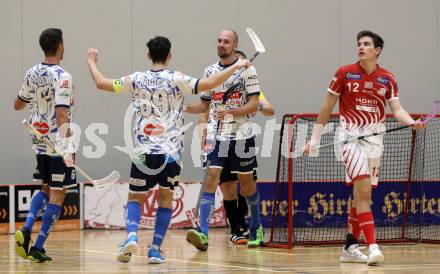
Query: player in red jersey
[[363, 90]]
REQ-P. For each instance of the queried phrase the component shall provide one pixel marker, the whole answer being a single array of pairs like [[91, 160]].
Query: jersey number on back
[[155, 103]]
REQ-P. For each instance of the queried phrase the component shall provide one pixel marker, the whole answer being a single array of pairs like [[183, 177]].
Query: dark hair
[[377, 40], [159, 48], [49, 40], [241, 53]]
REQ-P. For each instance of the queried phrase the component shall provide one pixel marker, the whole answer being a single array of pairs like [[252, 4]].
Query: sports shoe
[[127, 249], [245, 232], [353, 255], [258, 239], [237, 238], [155, 256], [38, 256], [375, 256], [22, 239], [198, 239]]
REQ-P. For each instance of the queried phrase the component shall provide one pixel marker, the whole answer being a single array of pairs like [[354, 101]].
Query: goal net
[[311, 201]]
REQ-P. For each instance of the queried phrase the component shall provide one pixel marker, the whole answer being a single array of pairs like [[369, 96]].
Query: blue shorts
[[237, 156], [227, 176], [154, 169], [52, 170]]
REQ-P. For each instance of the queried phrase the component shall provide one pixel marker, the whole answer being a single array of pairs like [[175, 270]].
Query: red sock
[[353, 224], [366, 223]]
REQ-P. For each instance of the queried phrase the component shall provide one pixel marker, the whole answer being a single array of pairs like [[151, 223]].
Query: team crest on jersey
[[382, 91], [153, 129], [42, 127], [383, 80], [353, 76]]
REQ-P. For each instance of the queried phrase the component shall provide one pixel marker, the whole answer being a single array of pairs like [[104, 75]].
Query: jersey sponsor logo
[[353, 76], [65, 84], [382, 91], [65, 93], [366, 108], [219, 96], [58, 177], [137, 182], [153, 129], [36, 141], [366, 101], [368, 85], [252, 77], [42, 127], [383, 80], [243, 164]]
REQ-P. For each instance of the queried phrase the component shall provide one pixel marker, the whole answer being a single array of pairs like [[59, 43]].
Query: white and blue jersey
[[157, 97], [240, 127], [45, 87]]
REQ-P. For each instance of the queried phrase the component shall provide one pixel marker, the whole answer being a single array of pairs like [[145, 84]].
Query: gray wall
[[306, 40]]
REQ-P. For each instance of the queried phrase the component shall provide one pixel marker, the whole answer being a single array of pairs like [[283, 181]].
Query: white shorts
[[362, 160]]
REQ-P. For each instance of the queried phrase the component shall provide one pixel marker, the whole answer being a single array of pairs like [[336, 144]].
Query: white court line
[[338, 253], [82, 271], [199, 263], [366, 268], [299, 269]]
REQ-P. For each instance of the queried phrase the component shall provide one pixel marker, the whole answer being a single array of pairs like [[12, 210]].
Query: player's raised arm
[[197, 108], [220, 77], [324, 114], [100, 80]]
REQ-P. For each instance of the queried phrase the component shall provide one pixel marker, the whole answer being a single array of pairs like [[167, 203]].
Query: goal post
[[311, 200]]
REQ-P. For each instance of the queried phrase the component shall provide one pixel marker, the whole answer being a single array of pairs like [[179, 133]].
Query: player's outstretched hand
[[243, 63], [418, 125], [92, 55], [309, 148]]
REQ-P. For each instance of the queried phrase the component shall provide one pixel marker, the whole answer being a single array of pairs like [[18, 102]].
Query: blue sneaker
[[127, 249], [155, 256]]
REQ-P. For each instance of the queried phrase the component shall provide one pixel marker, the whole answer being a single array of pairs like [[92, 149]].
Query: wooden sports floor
[[94, 251]]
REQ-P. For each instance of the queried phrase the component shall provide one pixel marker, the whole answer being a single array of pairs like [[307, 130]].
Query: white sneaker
[[375, 255], [353, 255], [127, 249]]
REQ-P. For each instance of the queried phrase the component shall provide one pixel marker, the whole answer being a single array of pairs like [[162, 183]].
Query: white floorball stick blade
[[259, 47]]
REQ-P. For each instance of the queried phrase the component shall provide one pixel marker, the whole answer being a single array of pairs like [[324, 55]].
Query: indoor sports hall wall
[[306, 40]]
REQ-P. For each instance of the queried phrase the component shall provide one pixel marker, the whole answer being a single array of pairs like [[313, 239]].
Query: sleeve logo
[[65, 84]]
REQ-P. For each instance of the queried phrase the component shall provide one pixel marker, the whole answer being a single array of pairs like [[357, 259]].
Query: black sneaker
[[38, 256], [237, 238], [22, 239], [245, 232]]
